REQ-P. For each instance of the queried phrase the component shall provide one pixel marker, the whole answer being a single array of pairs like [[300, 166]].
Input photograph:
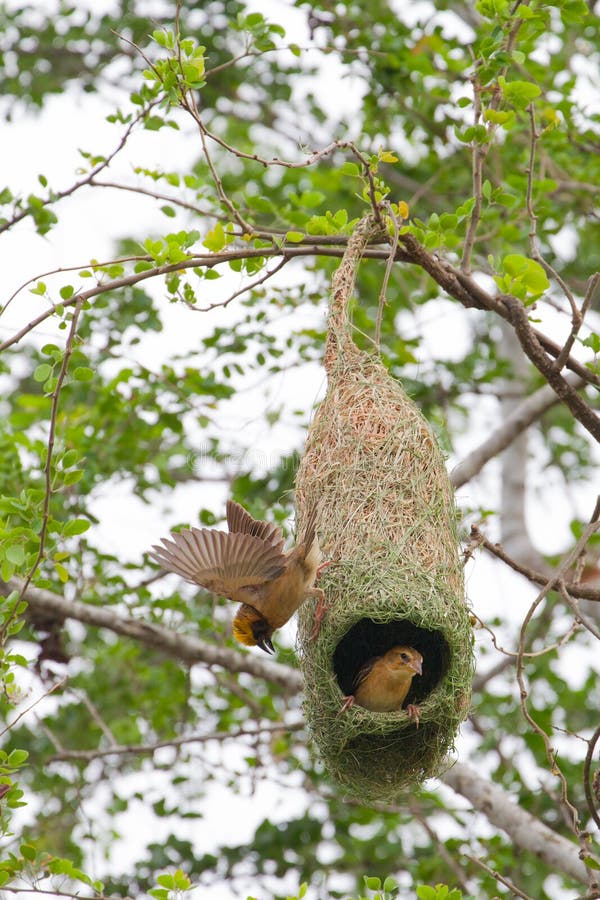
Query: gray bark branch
[[525, 830], [178, 646], [513, 424]]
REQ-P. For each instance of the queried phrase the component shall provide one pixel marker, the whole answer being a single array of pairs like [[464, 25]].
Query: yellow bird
[[250, 566], [382, 683]]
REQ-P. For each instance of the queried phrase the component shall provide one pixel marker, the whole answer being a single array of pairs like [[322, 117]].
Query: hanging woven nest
[[387, 521]]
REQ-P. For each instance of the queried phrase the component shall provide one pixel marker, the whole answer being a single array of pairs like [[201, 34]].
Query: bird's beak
[[417, 666], [266, 645]]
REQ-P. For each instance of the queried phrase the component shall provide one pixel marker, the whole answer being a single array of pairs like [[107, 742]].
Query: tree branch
[[577, 589], [527, 832], [54, 196], [534, 350], [531, 409], [150, 749], [187, 649]]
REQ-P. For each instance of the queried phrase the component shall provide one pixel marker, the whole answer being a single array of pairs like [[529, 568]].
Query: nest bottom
[[378, 767]]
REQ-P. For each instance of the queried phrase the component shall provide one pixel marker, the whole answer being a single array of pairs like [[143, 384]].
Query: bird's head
[[405, 659], [252, 629]]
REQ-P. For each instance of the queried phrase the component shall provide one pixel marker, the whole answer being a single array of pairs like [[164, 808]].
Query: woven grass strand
[[387, 520]]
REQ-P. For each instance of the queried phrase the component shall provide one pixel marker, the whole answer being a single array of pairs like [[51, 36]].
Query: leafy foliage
[[184, 370]]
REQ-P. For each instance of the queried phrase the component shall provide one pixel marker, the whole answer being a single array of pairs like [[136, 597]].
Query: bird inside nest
[[249, 565], [383, 682]]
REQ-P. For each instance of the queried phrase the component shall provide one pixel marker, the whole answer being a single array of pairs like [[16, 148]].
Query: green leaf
[[527, 272], [519, 93], [425, 892], [17, 758], [181, 881], [497, 116], [294, 237], [72, 477], [15, 553], [76, 526], [7, 570], [215, 239], [27, 852], [62, 573], [70, 458], [592, 341], [372, 882], [83, 373], [42, 372], [524, 12]]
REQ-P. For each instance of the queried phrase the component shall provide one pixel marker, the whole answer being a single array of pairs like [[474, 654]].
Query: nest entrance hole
[[367, 639]]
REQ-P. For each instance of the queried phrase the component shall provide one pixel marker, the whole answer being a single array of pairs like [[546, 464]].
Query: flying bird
[[249, 565], [382, 683]]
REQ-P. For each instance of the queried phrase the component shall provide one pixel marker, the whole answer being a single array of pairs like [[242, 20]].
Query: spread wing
[[241, 522], [222, 563]]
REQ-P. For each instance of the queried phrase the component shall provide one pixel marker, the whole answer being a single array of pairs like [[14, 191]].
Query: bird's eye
[[404, 655]]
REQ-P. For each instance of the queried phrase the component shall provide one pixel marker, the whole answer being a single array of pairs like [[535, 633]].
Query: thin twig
[[577, 318], [48, 466], [531, 654], [95, 267], [244, 290], [576, 315], [94, 712], [550, 752], [479, 152], [387, 273], [149, 749], [575, 589], [579, 617], [60, 195], [31, 706], [592, 801], [517, 892], [447, 857]]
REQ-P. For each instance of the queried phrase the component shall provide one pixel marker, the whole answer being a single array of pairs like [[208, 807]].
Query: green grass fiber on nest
[[387, 520]]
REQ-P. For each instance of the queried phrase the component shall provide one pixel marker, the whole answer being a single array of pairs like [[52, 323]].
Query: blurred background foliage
[[433, 84]]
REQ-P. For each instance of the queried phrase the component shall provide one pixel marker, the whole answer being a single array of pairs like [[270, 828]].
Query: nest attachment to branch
[[386, 519]]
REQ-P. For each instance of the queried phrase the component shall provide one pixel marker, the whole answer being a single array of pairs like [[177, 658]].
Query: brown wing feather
[[221, 562], [240, 521], [364, 671]]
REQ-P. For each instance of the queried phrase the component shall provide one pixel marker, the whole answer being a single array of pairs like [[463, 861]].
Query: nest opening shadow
[[367, 639]]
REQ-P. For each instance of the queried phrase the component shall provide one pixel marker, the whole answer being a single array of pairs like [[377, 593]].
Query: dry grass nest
[[387, 521]]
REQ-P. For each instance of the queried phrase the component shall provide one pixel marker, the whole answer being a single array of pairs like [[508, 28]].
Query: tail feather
[[310, 528], [310, 542]]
